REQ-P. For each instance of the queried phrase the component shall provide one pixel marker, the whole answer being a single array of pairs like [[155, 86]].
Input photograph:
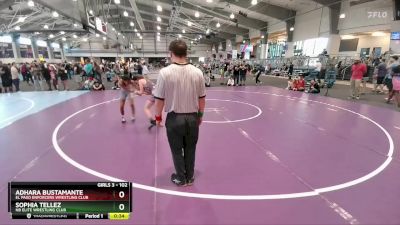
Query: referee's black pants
[[183, 133]]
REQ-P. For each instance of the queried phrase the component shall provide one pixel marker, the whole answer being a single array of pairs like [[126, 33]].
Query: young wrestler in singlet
[[127, 91], [145, 87]]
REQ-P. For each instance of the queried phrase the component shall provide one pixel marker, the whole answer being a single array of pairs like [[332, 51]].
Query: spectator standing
[[236, 74], [357, 72], [15, 76], [53, 75], [291, 67], [37, 76], [380, 73], [46, 75], [242, 74], [6, 78], [393, 63]]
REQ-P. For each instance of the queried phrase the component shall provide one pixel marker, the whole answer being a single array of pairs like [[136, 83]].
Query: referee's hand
[[200, 120]]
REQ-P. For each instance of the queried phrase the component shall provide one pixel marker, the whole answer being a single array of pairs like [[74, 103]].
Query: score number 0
[[121, 195]]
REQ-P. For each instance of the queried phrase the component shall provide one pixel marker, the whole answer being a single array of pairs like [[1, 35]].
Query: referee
[[180, 89]]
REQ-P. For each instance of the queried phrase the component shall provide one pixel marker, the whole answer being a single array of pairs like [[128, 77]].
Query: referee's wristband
[[200, 114], [158, 118]]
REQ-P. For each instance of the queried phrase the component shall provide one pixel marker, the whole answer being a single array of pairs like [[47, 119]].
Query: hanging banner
[[234, 54], [41, 58]]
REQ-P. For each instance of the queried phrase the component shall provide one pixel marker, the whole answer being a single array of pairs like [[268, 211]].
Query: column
[[34, 48], [15, 47], [239, 40], [62, 51], [395, 44], [333, 45], [264, 45], [50, 50]]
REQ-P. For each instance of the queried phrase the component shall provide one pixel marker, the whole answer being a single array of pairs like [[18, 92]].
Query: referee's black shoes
[[178, 181]]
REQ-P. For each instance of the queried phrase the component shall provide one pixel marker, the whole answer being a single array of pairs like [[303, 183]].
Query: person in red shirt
[[357, 72], [295, 84], [301, 84]]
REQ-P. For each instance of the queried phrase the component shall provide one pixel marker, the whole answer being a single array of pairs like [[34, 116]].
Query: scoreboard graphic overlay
[[70, 200]]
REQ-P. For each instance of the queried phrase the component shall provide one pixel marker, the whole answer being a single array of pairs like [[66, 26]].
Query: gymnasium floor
[[265, 156]]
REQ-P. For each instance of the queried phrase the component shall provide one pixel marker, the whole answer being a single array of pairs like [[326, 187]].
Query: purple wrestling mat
[[265, 156]]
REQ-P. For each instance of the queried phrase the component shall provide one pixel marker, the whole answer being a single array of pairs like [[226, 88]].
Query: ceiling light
[[158, 19], [158, 28], [218, 25], [180, 35], [104, 38], [140, 37], [262, 36], [183, 31], [158, 33], [138, 34], [197, 14], [51, 36], [254, 2], [84, 39], [117, 2], [75, 25], [189, 23], [123, 37], [17, 28], [126, 14], [113, 29], [97, 35], [229, 45], [62, 32], [63, 39], [378, 34], [37, 32], [55, 14], [207, 31], [46, 26], [209, 1], [200, 36], [135, 30], [232, 16], [342, 16], [291, 29], [347, 37], [132, 24], [21, 19], [74, 36], [191, 42], [31, 3], [119, 34], [91, 12], [159, 8], [244, 41]]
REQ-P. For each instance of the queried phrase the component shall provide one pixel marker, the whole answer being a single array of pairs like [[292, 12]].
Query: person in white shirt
[[15, 76], [318, 67], [181, 89], [145, 69]]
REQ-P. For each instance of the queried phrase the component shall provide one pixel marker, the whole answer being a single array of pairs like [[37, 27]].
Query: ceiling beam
[[336, 4], [191, 9], [232, 29], [334, 13], [137, 14], [242, 21], [273, 11]]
